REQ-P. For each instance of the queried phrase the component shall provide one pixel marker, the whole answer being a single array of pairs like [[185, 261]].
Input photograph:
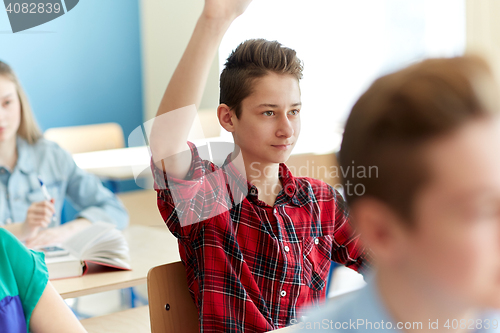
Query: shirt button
[[253, 191], [283, 293], [8, 221], [316, 241], [287, 249], [275, 210]]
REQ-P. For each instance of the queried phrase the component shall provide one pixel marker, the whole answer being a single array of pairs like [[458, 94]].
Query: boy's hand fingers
[[225, 9]]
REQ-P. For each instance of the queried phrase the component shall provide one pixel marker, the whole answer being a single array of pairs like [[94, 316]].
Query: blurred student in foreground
[[432, 216]]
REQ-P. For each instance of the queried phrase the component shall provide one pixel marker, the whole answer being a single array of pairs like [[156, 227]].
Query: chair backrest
[[319, 166], [209, 122], [86, 138], [142, 207], [171, 308]]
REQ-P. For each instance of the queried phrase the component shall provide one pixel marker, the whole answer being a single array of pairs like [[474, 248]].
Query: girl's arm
[[52, 315]]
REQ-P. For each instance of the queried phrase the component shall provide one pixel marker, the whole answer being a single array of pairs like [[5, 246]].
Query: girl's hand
[[59, 234], [39, 215]]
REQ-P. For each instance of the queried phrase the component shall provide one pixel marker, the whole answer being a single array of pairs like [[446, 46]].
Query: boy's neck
[[409, 301], [264, 176]]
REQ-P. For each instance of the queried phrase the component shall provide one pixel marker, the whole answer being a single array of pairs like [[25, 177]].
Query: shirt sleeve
[[90, 198], [347, 248], [184, 203], [24, 270]]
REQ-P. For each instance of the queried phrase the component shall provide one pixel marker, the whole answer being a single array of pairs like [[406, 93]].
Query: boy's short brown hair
[[393, 120], [253, 59]]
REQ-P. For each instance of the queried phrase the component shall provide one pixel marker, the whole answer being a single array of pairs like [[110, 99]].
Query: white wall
[[166, 28]]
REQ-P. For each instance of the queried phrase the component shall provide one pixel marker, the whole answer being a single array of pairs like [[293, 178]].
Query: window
[[345, 45]]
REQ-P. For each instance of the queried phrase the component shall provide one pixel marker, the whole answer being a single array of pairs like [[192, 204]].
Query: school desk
[[117, 164], [149, 246], [124, 163], [128, 321]]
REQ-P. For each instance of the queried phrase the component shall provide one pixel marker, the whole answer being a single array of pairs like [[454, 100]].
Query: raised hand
[[185, 89], [224, 9]]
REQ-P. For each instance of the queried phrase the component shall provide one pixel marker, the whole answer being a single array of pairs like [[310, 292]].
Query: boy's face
[[269, 123], [455, 246]]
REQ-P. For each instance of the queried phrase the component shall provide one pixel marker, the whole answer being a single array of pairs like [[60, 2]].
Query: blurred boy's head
[[431, 214], [260, 99]]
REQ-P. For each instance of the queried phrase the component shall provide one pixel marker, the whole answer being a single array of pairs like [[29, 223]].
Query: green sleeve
[[24, 272]]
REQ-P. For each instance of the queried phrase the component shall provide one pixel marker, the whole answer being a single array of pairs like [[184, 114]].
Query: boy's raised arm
[[184, 92]]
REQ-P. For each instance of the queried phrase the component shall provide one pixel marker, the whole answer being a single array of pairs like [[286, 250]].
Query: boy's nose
[[285, 127]]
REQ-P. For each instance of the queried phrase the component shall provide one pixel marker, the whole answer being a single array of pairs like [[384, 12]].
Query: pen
[[46, 194]]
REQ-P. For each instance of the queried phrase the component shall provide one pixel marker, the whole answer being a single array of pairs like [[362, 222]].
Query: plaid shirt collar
[[292, 192]]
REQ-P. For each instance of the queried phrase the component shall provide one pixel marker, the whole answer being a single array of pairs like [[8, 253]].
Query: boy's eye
[[268, 113], [7, 102], [294, 112]]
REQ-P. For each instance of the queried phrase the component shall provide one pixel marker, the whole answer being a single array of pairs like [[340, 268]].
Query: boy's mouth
[[283, 147]]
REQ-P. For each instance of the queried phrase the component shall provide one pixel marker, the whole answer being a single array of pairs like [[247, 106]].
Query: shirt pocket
[[316, 255]]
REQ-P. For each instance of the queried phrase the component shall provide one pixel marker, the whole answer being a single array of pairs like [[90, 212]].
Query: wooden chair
[[209, 122], [171, 308], [86, 138], [317, 166], [142, 207]]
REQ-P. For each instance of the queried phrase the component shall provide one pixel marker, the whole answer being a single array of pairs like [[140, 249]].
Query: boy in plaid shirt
[[256, 241]]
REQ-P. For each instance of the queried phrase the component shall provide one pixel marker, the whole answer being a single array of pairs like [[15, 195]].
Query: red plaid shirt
[[251, 267]]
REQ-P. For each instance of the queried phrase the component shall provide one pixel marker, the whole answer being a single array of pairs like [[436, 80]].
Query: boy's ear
[[225, 115], [381, 229]]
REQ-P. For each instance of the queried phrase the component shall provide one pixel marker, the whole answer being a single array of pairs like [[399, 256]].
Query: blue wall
[[83, 67]]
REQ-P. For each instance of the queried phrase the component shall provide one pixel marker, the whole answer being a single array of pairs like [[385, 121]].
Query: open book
[[100, 244]]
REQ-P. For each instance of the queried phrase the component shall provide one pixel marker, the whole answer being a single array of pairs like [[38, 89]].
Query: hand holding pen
[[39, 214]]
